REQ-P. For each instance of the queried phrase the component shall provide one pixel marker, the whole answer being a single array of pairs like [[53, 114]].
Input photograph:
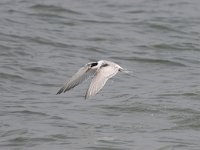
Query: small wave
[[152, 60], [98, 39], [45, 16], [40, 40], [177, 46], [179, 94], [28, 112], [120, 96], [162, 27], [103, 21], [5, 47], [18, 141], [59, 136], [36, 39], [14, 132], [135, 11], [37, 69], [130, 108], [95, 50], [185, 116], [160, 61], [11, 76], [53, 8]]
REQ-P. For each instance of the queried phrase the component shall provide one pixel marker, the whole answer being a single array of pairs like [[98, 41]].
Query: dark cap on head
[[94, 64]]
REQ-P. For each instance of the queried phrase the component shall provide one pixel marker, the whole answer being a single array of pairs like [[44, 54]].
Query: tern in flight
[[101, 71]]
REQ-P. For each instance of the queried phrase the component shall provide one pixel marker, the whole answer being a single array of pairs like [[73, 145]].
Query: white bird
[[101, 71]]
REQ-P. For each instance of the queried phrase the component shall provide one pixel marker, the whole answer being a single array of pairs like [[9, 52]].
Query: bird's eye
[[94, 64]]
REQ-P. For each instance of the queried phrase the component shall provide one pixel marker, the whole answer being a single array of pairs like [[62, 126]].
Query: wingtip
[[87, 96], [60, 91], [57, 93]]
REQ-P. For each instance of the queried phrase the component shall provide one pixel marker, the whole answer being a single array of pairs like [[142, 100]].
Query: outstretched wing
[[82, 74], [100, 79]]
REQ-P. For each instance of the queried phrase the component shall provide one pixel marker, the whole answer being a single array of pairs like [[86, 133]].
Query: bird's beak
[[125, 71], [121, 69]]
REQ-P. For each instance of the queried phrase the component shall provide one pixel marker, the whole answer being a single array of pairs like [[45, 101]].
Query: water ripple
[[28, 112], [152, 60], [42, 43], [53, 8]]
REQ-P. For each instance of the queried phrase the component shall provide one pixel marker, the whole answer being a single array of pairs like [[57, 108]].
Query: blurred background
[[44, 42]]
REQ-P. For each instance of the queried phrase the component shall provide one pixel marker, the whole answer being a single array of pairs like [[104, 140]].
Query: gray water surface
[[43, 43]]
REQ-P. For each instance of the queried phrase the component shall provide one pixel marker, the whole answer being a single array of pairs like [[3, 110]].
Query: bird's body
[[101, 71]]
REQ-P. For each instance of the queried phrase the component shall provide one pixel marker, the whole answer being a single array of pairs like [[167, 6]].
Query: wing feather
[[100, 79], [81, 75]]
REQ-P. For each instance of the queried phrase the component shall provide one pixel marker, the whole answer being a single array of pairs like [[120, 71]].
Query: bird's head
[[97, 64]]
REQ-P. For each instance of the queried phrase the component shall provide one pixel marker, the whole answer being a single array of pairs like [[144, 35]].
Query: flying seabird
[[101, 71]]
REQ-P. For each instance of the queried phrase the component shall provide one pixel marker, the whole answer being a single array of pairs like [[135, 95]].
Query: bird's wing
[[99, 80], [81, 75]]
